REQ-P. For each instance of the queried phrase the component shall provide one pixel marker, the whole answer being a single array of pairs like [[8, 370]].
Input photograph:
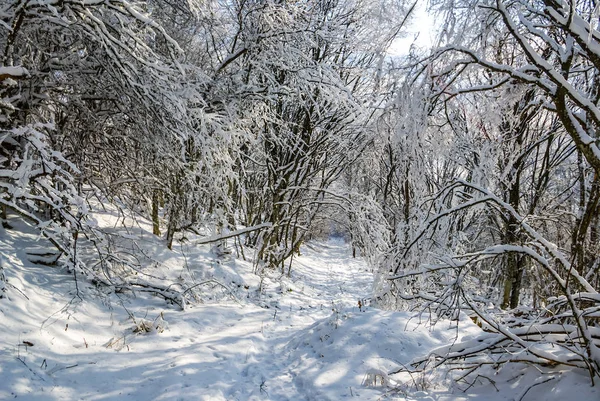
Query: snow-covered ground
[[278, 338]]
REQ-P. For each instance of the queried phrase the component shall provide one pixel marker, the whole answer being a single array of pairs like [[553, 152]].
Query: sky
[[420, 32]]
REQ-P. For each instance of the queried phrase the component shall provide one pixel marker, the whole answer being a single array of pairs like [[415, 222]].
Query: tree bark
[[155, 219]]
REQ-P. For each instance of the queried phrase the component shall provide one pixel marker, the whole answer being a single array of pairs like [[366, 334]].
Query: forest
[[466, 173]]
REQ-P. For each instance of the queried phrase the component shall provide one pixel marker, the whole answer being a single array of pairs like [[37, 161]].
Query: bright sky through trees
[[418, 33]]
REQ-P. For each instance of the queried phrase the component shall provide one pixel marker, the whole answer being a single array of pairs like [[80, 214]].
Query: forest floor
[[277, 338]]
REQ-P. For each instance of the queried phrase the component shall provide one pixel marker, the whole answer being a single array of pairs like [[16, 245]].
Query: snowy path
[[219, 351], [233, 352], [299, 338], [247, 343]]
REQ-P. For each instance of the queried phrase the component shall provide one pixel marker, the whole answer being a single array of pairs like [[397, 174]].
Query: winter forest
[[272, 166]]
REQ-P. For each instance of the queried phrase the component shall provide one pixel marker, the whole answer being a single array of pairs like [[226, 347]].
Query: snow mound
[[351, 353]]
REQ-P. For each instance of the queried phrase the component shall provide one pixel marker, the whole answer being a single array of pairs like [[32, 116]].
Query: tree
[[92, 102], [537, 60], [305, 73]]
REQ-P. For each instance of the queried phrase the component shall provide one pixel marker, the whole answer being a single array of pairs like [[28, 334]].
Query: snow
[[302, 337], [11, 71]]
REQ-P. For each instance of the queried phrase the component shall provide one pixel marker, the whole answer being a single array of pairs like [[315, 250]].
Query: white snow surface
[[281, 338]]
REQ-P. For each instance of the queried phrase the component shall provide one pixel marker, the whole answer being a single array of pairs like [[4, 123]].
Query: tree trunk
[[155, 220], [170, 234], [514, 261]]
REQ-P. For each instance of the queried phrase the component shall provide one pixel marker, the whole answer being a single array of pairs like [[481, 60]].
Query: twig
[[31, 370], [483, 377], [16, 288], [236, 233], [533, 385], [211, 282]]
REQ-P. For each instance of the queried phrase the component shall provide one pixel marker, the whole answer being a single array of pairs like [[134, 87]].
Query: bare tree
[[519, 79]]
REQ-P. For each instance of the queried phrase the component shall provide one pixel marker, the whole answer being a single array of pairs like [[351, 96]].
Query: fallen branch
[[211, 282], [236, 233], [168, 294]]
